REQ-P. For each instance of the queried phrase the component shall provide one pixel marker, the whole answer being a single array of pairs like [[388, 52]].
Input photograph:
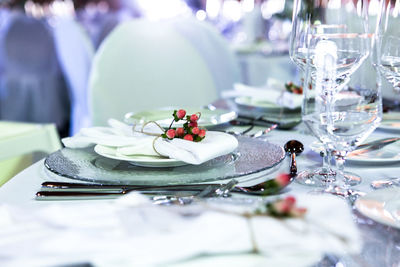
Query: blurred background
[[48, 49]]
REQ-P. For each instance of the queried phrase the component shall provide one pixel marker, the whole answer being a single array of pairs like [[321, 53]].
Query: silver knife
[[89, 195], [374, 145]]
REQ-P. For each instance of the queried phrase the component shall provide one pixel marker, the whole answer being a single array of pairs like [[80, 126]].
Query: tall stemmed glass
[[343, 23], [389, 43], [352, 114]]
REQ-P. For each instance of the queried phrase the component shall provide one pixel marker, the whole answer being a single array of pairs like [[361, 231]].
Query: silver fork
[[379, 184], [263, 132], [209, 191], [242, 132]]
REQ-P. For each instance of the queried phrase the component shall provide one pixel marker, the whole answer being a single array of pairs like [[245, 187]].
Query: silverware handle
[[55, 195], [64, 185], [81, 195], [293, 165], [76, 194]]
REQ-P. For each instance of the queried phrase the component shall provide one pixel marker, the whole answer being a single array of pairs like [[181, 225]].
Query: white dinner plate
[[390, 122], [390, 125], [164, 117], [386, 155], [138, 160], [382, 205]]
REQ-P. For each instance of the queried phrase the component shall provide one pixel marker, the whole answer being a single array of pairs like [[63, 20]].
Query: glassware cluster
[[331, 42]]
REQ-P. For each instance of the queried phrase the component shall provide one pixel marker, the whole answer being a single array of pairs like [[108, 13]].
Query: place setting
[[149, 155], [277, 102]]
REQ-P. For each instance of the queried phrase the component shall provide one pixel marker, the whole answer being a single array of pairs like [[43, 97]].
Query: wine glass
[[388, 38], [343, 27], [352, 114]]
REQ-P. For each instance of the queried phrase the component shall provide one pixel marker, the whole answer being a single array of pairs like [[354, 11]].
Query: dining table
[[380, 242]]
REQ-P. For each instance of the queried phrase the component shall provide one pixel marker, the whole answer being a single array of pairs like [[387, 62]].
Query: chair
[[220, 58], [146, 65], [106, 25], [75, 53], [18, 142], [32, 88]]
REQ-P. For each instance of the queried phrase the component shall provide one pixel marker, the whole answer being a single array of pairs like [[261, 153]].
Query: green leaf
[[196, 138], [186, 127]]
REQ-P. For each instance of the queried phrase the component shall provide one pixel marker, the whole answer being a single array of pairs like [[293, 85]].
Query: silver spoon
[[293, 147]]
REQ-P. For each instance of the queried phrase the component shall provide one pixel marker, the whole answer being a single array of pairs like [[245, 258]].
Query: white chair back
[[144, 65], [213, 47], [75, 52]]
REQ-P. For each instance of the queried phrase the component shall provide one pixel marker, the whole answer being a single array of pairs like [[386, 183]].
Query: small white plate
[[386, 155], [262, 105], [382, 205], [138, 160], [255, 102]]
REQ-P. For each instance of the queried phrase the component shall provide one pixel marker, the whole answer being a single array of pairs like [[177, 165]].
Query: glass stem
[[329, 172], [326, 159], [340, 160]]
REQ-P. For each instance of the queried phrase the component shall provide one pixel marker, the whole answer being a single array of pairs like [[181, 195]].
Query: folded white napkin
[[274, 93], [133, 232], [130, 143]]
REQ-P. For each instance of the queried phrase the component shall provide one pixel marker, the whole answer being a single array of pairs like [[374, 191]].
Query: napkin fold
[[130, 141], [274, 93], [133, 232]]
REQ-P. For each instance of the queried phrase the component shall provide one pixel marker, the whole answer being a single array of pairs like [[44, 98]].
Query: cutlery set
[[70, 191], [55, 189]]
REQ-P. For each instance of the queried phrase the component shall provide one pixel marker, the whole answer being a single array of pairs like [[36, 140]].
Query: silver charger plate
[[252, 159]]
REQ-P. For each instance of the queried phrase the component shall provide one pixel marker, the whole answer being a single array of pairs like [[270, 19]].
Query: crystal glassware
[[388, 38], [352, 114], [341, 27]]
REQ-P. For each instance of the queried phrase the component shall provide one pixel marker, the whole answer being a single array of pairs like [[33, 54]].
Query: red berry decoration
[[290, 200], [285, 208], [181, 113], [190, 130], [180, 132], [188, 137], [194, 118], [202, 133], [282, 179], [193, 124], [170, 134], [195, 130]]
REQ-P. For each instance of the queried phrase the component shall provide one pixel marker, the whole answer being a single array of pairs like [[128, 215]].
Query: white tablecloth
[[21, 190]]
